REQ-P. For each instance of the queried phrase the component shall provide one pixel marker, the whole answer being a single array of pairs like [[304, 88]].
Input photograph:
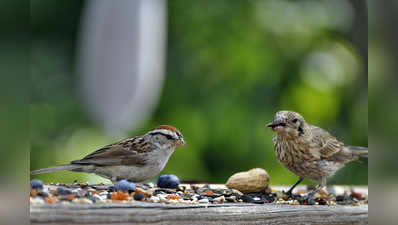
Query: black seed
[[321, 201], [43, 194], [63, 191], [342, 198], [229, 199], [246, 198], [157, 191]]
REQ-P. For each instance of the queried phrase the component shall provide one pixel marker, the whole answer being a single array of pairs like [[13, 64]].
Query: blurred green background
[[230, 65]]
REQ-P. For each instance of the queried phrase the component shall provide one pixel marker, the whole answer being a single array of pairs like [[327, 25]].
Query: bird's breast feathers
[[290, 151]]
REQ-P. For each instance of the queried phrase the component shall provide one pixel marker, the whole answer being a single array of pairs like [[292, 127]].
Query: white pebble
[[204, 200], [154, 199], [220, 199], [82, 200], [36, 201], [99, 197], [104, 193], [163, 198]]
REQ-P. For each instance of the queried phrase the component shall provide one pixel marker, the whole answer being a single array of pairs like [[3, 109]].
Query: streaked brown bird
[[309, 151]]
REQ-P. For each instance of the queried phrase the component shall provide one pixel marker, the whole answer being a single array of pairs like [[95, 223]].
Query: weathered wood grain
[[160, 213]]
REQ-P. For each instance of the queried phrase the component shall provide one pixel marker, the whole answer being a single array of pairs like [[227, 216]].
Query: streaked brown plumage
[[309, 151]]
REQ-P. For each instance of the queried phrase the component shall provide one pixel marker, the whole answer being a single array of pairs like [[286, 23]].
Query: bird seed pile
[[184, 194]]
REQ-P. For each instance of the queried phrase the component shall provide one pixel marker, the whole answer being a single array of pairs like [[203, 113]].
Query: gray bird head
[[288, 123], [167, 137]]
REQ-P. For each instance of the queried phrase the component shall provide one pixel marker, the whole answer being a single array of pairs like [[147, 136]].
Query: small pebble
[[247, 198], [234, 191], [103, 193], [36, 201], [230, 199], [95, 198], [42, 194], [168, 181], [125, 186], [204, 200], [154, 199], [220, 199], [139, 196], [63, 191], [151, 185], [82, 201], [36, 184], [341, 198], [163, 198]]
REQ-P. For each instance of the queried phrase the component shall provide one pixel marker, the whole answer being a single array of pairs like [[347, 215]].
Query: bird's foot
[[289, 195], [307, 199]]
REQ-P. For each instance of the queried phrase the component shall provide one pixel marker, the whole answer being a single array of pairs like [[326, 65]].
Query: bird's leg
[[289, 192], [314, 191], [310, 195]]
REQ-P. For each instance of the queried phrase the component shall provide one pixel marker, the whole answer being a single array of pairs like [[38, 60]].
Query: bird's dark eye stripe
[[167, 135], [294, 120]]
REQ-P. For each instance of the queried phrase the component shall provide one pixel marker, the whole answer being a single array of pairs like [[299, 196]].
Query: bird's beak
[[181, 142], [270, 124], [276, 123]]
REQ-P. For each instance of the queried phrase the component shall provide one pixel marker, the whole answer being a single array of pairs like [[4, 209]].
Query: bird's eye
[[169, 137], [294, 120]]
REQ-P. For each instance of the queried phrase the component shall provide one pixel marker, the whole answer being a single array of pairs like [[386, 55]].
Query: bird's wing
[[132, 151], [328, 145]]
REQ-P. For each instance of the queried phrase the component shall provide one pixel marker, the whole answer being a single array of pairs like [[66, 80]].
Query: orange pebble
[[51, 200], [356, 195], [144, 193], [208, 193], [33, 192], [119, 196], [71, 196], [174, 197]]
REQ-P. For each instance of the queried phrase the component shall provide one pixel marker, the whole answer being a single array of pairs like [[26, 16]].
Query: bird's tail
[[359, 151], [56, 168]]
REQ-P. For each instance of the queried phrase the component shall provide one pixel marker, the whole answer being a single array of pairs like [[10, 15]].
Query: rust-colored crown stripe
[[167, 127]]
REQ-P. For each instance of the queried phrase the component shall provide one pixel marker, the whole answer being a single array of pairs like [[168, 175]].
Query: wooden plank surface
[[229, 213]]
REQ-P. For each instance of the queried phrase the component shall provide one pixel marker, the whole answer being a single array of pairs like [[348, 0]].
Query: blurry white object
[[121, 61]]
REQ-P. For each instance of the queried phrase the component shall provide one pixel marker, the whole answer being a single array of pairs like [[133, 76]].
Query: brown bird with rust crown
[[136, 159], [309, 151]]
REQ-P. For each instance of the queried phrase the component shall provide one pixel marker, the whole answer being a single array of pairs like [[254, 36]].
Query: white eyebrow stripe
[[166, 132]]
